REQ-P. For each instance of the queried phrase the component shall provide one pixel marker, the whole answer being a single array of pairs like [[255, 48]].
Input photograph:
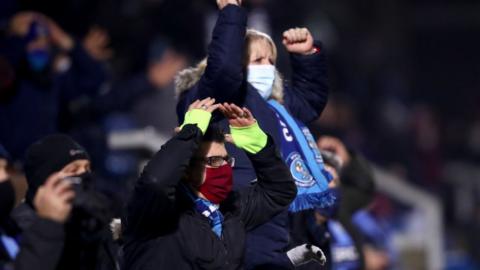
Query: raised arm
[[152, 208], [275, 188], [223, 74], [308, 94], [85, 74], [152, 205]]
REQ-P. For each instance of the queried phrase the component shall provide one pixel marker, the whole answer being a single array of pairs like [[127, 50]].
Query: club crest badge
[[299, 170]]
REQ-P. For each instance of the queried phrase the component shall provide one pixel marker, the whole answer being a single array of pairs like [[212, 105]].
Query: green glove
[[251, 139], [198, 117]]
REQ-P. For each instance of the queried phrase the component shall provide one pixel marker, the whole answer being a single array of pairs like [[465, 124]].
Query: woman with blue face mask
[[240, 69]]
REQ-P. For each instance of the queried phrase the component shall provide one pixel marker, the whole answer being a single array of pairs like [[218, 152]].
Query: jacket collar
[[187, 78]]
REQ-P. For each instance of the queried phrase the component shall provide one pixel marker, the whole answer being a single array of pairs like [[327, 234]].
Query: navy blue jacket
[[33, 110], [225, 80]]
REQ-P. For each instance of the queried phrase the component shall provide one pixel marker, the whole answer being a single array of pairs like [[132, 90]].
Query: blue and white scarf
[[210, 210], [207, 209], [303, 158]]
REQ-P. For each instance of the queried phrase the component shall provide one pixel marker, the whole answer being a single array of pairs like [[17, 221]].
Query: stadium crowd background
[[403, 77]]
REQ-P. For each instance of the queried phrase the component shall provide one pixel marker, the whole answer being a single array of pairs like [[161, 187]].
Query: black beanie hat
[[47, 156]]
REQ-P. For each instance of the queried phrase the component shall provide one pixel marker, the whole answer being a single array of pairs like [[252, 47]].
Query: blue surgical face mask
[[38, 59], [262, 77]]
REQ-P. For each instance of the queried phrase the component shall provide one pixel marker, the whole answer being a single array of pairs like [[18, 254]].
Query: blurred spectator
[[149, 94], [8, 245], [96, 43], [42, 244], [50, 68], [59, 163], [144, 99], [332, 228], [374, 246], [33, 253]]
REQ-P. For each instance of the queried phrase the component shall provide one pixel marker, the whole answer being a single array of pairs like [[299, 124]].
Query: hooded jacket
[[162, 229]]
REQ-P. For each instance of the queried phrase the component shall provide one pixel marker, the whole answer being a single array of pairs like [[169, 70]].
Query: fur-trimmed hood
[[188, 77]]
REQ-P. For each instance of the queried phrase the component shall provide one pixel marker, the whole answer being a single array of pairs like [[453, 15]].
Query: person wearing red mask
[[183, 213]]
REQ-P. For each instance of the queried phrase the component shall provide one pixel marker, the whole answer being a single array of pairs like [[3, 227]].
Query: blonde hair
[[255, 35]]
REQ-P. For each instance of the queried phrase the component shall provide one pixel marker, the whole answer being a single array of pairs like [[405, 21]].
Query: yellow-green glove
[[201, 118], [251, 138]]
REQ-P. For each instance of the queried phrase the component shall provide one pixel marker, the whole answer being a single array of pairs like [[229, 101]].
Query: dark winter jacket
[[41, 245], [34, 107], [162, 229], [77, 251], [7, 200]]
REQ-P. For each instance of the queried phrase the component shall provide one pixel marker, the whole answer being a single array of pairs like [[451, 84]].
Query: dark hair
[[214, 134]]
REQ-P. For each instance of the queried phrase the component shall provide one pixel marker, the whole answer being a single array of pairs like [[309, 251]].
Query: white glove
[[304, 253]]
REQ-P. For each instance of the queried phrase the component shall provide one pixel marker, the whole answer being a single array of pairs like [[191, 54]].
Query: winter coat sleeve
[[273, 191], [223, 75], [152, 211], [307, 96], [41, 246]]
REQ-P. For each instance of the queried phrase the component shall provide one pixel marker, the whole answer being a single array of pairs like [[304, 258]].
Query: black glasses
[[217, 161]]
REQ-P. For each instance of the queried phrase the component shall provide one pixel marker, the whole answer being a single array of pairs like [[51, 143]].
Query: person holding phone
[[58, 166]]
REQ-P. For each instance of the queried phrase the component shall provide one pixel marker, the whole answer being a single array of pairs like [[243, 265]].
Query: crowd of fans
[[258, 169]]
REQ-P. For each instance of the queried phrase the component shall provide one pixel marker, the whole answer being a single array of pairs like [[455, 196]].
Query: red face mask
[[218, 183]]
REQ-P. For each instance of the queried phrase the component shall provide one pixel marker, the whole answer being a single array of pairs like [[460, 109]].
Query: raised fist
[[298, 40]]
